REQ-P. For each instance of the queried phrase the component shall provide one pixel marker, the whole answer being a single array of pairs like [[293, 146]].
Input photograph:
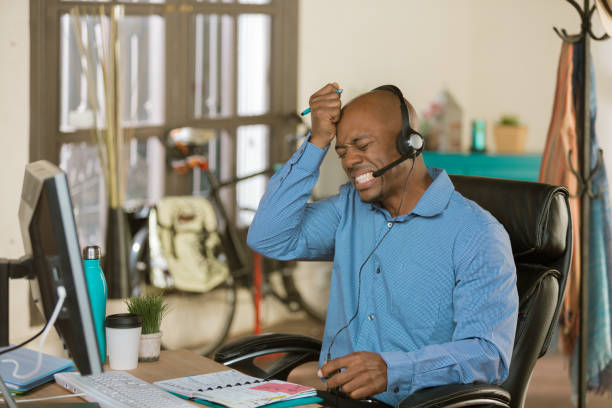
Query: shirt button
[[377, 270], [396, 390], [371, 317], [389, 224]]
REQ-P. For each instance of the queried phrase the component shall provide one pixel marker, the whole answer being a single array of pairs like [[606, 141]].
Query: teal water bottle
[[96, 285], [479, 136]]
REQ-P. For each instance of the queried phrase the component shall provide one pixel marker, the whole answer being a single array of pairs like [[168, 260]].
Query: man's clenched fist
[[325, 112]]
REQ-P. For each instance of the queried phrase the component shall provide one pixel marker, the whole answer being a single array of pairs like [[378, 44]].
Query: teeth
[[364, 178]]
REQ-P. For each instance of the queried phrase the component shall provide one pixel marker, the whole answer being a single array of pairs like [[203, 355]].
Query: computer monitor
[[50, 238]]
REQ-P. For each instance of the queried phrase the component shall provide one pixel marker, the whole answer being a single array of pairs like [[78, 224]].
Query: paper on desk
[[191, 385], [234, 389], [286, 388]]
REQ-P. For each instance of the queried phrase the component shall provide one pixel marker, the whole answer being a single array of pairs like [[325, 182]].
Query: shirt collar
[[438, 194], [434, 200]]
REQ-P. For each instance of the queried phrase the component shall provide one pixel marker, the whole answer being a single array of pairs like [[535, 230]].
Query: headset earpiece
[[410, 143], [410, 146]]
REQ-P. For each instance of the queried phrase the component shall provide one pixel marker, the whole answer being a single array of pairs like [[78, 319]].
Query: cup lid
[[123, 321]]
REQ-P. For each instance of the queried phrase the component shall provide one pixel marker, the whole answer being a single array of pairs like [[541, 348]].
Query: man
[[423, 289]]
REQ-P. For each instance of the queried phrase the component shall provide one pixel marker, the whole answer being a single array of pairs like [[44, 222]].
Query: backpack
[[186, 229]]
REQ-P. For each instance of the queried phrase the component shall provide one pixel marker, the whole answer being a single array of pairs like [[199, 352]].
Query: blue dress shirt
[[438, 295]]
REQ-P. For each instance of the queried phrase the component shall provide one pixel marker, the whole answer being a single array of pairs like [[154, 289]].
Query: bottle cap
[[91, 252]]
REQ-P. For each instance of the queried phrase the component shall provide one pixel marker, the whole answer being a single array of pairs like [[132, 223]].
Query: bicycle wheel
[[196, 321], [308, 284], [137, 260], [200, 322]]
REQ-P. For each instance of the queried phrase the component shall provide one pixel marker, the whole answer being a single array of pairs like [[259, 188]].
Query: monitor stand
[[18, 269], [6, 395], [10, 269]]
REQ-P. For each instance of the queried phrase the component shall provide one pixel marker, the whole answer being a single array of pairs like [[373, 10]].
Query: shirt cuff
[[400, 371], [311, 156]]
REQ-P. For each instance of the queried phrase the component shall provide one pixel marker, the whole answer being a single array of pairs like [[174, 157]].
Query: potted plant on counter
[[510, 135], [151, 309]]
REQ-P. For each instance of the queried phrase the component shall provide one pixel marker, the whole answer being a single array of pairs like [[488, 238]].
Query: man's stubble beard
[[376, 198]]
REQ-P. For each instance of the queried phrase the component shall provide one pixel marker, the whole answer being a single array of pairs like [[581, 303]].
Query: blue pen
[[307, 110]]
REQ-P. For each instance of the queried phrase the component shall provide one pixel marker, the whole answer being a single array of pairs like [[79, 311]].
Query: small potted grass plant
[[151, 309]]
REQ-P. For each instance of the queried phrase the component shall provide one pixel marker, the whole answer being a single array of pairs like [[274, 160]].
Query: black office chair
[[537, 218]]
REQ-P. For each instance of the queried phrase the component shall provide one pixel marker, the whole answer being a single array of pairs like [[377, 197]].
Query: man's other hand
[[364, 375], [325, 113]]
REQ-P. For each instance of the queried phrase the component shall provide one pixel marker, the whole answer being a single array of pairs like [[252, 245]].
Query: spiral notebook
[[233, 389]]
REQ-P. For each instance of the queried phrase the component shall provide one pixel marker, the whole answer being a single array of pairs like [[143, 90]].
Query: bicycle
[[186, 154]]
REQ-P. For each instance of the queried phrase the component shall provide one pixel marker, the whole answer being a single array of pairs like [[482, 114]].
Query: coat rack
[[584, 174]]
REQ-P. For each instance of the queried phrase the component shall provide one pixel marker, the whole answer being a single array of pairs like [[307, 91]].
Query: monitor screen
[[50, 237]]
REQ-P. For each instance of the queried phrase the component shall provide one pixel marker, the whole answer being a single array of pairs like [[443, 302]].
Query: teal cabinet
[[517, 167]]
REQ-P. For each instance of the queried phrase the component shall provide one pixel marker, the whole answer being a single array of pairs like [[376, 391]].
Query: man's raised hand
[[325, 113], [364, 375]]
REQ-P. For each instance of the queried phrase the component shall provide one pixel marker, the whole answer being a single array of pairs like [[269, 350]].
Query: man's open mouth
[[364, 180]]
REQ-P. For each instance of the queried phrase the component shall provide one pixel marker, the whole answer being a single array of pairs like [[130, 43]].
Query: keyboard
[[118, 389]]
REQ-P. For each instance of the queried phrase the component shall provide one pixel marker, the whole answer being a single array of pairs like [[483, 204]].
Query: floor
[[549, 387]]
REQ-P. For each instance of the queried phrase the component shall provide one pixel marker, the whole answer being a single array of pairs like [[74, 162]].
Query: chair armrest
[[463, 395], [293, 349]]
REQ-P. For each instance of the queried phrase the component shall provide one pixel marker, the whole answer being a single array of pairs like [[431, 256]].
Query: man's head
[[367, 141]]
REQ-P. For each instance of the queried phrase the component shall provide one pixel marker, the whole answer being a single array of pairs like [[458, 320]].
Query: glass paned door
[[214, 65], [142, 65], [251, 158], [254, 64]]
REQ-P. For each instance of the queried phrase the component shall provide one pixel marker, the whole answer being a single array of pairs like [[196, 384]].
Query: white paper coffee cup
[[122, 340]]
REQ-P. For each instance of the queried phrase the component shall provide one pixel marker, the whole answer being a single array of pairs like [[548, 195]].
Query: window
[[225, 65]]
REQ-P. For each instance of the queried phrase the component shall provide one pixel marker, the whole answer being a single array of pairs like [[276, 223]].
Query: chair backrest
[[537, 218]]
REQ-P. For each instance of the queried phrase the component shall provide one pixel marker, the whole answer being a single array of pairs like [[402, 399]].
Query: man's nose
[[352, 157]]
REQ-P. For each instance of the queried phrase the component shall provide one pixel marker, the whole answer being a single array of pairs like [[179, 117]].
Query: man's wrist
[[320, 142], [310, 157]]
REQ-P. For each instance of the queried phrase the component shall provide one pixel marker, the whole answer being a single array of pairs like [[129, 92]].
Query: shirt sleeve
[[485, 303], [286, 226]]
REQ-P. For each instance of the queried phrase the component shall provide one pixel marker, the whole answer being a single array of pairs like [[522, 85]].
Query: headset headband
[[406, 128]]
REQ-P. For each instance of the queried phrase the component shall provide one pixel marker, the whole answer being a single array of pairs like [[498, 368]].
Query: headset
[[409, 142]]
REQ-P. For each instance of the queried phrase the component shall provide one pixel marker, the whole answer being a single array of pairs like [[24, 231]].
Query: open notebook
[[233, 389]]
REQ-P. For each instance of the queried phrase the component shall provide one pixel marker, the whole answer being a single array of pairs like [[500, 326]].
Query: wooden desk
[[171, 364]]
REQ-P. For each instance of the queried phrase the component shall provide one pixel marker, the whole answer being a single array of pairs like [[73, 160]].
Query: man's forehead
[[351, 128], [366, 116]]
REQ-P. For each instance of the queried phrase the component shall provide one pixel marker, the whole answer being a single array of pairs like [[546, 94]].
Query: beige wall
[[495, 57], [420, 46], [14, 125], [14, 117]]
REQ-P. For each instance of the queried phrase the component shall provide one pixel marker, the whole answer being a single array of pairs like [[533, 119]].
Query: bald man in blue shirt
[[423, 288]]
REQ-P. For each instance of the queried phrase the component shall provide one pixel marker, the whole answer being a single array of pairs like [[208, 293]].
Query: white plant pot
[[150, 345]]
